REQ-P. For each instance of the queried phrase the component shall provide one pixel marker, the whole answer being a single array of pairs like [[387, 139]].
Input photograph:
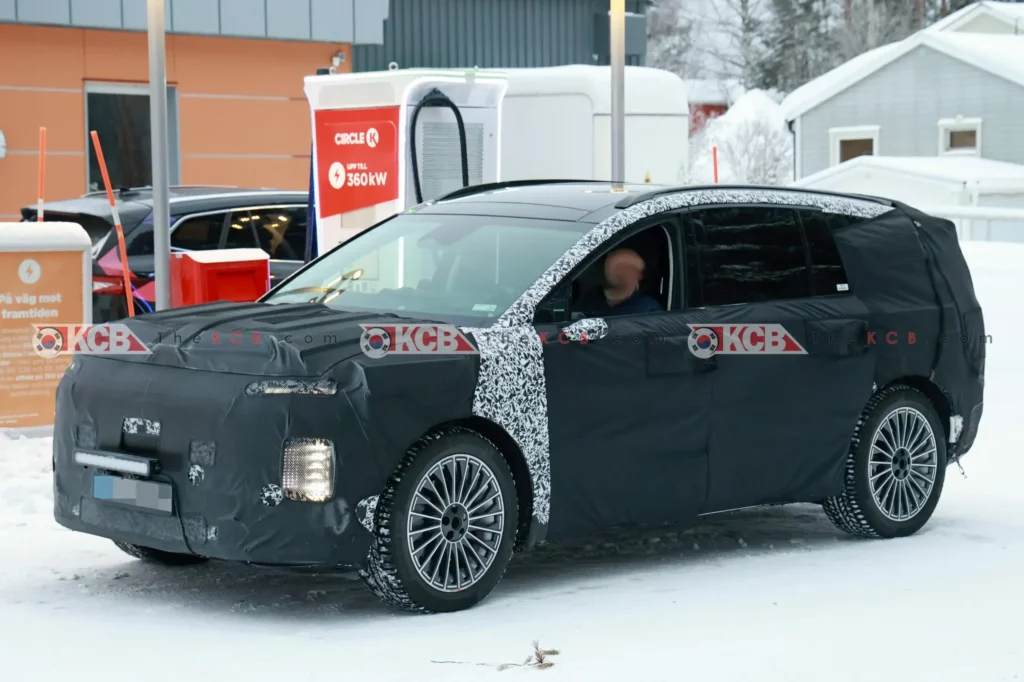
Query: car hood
[[252, 338]]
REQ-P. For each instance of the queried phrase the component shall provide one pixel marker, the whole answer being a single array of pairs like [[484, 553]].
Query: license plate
[[145, 494]]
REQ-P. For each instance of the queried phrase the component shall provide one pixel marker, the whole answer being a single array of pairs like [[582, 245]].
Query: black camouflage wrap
[[607, 431]]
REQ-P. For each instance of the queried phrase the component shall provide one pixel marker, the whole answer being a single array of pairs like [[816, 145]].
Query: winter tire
[[895, 469], [444, 526], [159, 556]]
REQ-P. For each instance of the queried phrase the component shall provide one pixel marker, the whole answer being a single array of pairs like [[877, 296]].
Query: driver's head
[[623, 269]]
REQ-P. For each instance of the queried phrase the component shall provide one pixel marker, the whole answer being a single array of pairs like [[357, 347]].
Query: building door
[[119, 113]]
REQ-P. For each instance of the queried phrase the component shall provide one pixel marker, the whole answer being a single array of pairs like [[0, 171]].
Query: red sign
[[357, 158]]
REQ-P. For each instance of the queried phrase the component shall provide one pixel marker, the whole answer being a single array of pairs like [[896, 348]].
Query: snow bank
[[754, 144], [25, 479]]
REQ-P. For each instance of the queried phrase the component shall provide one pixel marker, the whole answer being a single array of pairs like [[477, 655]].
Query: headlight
[[292, 387], [308, 469]]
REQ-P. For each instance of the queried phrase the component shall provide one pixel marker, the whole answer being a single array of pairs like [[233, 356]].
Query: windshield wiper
[[325, 291], [336, 288]]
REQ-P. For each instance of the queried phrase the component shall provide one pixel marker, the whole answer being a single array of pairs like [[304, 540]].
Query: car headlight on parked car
[[308, 469], [292, 387]]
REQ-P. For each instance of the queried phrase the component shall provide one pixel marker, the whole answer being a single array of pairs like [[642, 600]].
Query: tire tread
[[843, 510], [380, 574]]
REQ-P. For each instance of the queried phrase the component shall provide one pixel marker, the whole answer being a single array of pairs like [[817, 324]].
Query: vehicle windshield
[[453, 268]]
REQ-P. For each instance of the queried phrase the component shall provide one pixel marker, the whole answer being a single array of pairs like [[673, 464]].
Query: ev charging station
[[365, 169], [386, 141]]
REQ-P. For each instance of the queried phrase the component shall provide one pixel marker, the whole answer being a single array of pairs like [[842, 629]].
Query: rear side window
[[240, 231], [750, 254], [828, 276], [200, 233]]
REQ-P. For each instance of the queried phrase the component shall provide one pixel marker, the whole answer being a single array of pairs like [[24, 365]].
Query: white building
[[949, 186]]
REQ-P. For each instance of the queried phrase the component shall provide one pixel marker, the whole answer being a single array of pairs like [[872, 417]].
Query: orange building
[[236, 108]]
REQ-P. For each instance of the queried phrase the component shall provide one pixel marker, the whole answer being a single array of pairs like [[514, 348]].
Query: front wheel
[[445, 525], [895, 469]]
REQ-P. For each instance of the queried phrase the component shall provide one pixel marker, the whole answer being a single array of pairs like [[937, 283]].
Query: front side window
[[459, 269], [199, 233], [282, 232], [750, 254]]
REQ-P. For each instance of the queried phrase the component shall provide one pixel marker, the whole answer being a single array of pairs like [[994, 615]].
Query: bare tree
[[874, 23], [741, 43], [670, 38]]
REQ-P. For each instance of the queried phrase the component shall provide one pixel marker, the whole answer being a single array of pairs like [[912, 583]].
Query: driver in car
[[621, 295]]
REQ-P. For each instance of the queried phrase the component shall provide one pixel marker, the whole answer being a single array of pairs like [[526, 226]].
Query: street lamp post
[[160, 153], [617, 17]]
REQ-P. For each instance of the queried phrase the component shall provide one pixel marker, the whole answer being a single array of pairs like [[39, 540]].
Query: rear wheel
[[895, 470], [159, 556], [444, 526]]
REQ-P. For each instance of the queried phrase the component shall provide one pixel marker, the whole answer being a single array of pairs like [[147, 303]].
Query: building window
[[960, 136], [848, 143], [119, 113]]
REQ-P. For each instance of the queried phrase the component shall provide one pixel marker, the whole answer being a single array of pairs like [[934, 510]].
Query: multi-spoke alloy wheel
[[445, 524], [895, 468], [456, 523], [903, 464]]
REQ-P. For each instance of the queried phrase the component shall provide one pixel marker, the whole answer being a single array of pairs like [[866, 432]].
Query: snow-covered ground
[[757, 595]]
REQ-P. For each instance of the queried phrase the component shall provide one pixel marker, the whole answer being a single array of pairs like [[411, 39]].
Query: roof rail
[[480, 189], [647, 196]]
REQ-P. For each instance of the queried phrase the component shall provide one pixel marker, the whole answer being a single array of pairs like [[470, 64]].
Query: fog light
[[308, 469]]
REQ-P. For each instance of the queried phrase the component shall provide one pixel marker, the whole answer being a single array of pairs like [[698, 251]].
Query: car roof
[[572, 200], [555, 199], [184, 199]]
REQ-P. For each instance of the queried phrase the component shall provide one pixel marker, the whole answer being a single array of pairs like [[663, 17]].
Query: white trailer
[[385, 141]]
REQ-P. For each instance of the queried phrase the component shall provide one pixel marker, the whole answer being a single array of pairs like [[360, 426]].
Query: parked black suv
[[202, 218], [792, 346]]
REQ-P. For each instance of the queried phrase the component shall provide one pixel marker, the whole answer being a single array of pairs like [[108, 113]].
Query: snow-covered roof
[[1011, 13], [984, 175], [713, 91], [648, 91], [1001, 55]]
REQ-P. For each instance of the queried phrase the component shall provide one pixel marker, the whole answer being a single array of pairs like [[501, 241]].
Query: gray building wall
[[907, 98], [498, 34], [329, 21]]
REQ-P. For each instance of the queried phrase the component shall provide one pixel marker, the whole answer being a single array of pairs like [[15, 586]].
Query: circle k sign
[[356, 149]]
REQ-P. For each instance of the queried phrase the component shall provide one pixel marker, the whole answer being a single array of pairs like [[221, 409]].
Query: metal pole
[[617, 17], [160, 153]]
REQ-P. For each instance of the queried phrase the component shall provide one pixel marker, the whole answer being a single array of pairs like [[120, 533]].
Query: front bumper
[[221, 453]]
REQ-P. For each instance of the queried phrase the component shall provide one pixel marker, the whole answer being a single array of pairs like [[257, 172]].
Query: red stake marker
[[714, 161], [42, 174], [117, 226]]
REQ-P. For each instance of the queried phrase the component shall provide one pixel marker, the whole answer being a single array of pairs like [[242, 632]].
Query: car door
[[281, 232], [628, 412], [780, 422]]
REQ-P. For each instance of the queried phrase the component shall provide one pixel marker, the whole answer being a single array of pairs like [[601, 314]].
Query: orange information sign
[[36, 288]]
